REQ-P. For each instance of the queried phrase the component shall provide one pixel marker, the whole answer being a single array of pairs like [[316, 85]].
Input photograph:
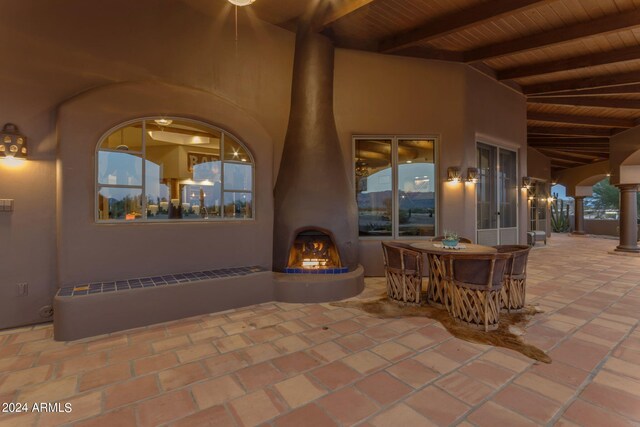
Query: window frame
[[144, 220], [395, 206]]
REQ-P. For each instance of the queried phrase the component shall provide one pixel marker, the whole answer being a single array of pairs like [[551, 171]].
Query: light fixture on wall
[[453, 174], [13, 144], [526, 182], [241, 2], [472, 175]]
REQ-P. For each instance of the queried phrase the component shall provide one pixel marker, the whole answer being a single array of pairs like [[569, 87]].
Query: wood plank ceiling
[[577, 61]]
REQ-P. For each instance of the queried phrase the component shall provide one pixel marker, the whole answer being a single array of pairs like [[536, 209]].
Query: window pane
[[120, 203], [508, 189], [237, 176], [204, 201], [182, 171], [234, 151], [416, 188], [374, 186], [237, 205], [486, 188], [128, 139], [119, 168]]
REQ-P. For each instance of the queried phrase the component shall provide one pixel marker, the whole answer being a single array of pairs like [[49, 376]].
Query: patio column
[[628, 218], [579, 209]]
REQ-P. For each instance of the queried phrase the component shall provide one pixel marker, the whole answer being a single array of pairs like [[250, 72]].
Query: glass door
[[497, 196]]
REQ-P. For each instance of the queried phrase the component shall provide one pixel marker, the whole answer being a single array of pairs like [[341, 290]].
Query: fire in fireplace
[[314, 251]]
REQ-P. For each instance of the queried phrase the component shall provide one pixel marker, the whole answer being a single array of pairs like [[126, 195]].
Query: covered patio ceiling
[[577, 62]]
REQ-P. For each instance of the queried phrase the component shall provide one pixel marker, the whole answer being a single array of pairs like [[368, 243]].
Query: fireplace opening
[[314, 252]]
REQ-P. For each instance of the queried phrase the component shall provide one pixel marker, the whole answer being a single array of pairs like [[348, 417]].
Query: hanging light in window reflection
[[361, 168], [163, 122]]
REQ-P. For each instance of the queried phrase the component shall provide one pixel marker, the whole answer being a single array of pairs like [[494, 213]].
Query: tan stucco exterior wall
[[63, 90], [382, 95]]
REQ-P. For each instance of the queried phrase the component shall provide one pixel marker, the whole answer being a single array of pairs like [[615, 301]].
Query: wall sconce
[[453, 174], [12, 143], [526, 182], [472, 175]]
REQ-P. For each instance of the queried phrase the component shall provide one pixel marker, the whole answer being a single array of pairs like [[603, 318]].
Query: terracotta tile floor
[[319, 365]]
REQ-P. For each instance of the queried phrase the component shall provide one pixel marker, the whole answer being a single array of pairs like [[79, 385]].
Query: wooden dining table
[[436, 290]]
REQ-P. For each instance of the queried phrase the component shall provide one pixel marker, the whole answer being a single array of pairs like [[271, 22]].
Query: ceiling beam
[[572, 161], [633, 88], [580, 120], [560, 146], [455, 21], [347, 8], [429, 53], [583, 82], [568, 131], [594, 153], [568, 139], [560, 153], [571, 63], [586, 101], [567, 33]]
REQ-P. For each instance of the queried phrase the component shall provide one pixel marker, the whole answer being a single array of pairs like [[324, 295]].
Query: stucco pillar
[[628, 218], [579, 218]]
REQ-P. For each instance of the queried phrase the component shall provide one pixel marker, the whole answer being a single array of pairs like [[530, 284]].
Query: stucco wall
[[387, 95], [88, 251], [538, 165], [60, 49], [73, 54]]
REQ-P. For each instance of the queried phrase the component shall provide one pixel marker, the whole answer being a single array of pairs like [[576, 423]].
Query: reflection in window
[[395, 205], [184, 175]]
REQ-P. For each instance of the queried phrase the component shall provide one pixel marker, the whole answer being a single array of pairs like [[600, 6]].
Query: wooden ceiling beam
[[594, 153], [571, 144], [455, 21], [570, 148], [633, 88], [567, 139], [567, 33], [568, 131], [583, 82], [561, 153], [345, 9], [556, 158], [429, 53], [580, 120], [587, 101], [572, 63]]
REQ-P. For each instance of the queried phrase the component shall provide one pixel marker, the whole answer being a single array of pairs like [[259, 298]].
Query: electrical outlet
[[23, 289]]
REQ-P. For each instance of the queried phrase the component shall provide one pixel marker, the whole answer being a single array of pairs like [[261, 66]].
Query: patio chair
[[473, 285], [460, 239], [515, 277], [403, 270]]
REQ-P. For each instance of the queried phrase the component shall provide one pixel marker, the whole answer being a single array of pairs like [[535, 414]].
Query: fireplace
[[315, 239], [314, 251]]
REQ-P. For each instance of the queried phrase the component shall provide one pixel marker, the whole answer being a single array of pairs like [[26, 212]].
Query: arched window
[[172, 169]]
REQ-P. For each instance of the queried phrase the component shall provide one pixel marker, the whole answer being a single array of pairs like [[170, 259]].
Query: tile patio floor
[[318, 365]]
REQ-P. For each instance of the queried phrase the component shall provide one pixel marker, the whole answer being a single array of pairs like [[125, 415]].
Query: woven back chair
[[474, 283], [403, 269], [515, 277], [460, 239]]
